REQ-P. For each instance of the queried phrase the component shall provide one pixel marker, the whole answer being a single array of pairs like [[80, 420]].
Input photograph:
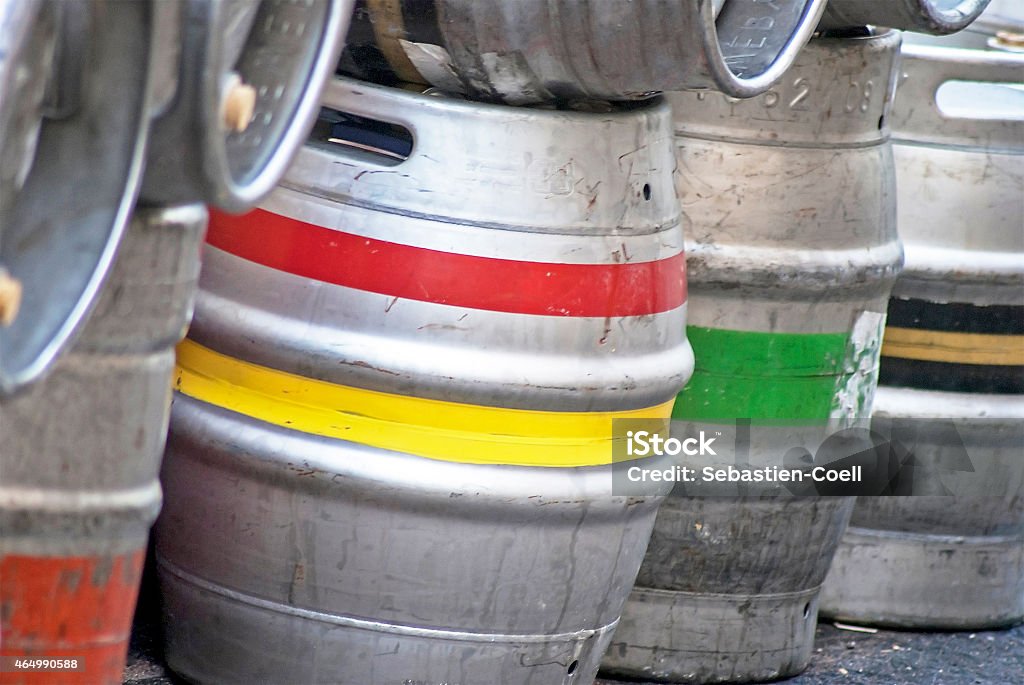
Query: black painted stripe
[[956, 317], [928, 375]]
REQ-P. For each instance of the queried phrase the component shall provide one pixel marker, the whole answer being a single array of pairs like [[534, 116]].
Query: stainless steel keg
[[75, 87], [245, 87], [390, 445], [531, 51], [939, 17], [792, 254], [80, 459], [953, 355], [230, 89]]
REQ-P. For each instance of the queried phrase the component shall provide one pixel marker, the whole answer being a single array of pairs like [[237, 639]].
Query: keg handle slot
[[927, 68], [384, 130], [1003, 101], [389, 144]]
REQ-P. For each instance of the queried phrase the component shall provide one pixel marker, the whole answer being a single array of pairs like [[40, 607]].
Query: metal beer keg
[[531, 51], [953, 358], [75, 87], [245, 86], [792, 254], [939, 17], [388, 460], [80, 459]]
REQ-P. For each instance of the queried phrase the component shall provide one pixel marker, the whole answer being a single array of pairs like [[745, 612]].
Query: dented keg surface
[[388, 460], [249, 77], [74, 88], [792, 253], [938, 17], [532, 51], [81, 456], [953, 356]]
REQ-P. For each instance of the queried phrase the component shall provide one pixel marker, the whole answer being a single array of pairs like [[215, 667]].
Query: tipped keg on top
[[389, 450], [532, 51], [952, 555], [791, 255]]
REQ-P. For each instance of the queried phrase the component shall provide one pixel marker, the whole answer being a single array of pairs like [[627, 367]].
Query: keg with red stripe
[[792, 255], [390, 445], [951, 556], [79, 464]]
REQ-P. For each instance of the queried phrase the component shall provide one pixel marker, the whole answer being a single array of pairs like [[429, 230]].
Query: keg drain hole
[[881, 122], [575, 664], [807, 610], [647, 191]]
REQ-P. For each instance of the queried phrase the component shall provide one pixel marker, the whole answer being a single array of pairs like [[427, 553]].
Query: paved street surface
[[896, 658]]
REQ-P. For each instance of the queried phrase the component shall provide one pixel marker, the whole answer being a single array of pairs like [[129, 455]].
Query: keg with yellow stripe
[[792, 254], [952, 360], [390, 444]]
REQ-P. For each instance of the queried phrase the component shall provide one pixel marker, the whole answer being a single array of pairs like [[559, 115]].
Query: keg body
[[952, 369], [937, 17], [80, 488], [791, 257], [530, 52], [401, 470]]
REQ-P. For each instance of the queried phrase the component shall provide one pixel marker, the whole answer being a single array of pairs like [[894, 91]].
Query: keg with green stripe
[[952, 369], [791, 256], [390, 451]]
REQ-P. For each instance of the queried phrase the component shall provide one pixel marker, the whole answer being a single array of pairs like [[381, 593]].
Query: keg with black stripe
[[531, 51], [792, 254], [389, 451], [952, 372], [80, 458]]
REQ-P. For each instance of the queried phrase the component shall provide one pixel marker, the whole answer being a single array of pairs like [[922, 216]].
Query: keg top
[[514, 168], [977, 124], [837, 93]]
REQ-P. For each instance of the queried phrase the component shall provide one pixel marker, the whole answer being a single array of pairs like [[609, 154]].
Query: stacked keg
[[390, 450], [791, 256], [950, 555], [95, 294], [534, 51], [389, 455]]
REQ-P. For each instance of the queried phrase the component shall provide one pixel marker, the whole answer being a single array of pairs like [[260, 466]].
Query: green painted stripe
[[744, 374], [748, 353]]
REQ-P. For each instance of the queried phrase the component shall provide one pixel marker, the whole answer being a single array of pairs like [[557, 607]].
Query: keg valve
[[10, 297], [238, 104]]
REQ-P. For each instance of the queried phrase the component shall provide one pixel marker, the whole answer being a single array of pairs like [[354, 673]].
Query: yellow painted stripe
[[953, 348], [389, 28], [428, 428]]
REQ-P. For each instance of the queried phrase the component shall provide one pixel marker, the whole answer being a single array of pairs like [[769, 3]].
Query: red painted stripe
[[69, 607], [416, 273]]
